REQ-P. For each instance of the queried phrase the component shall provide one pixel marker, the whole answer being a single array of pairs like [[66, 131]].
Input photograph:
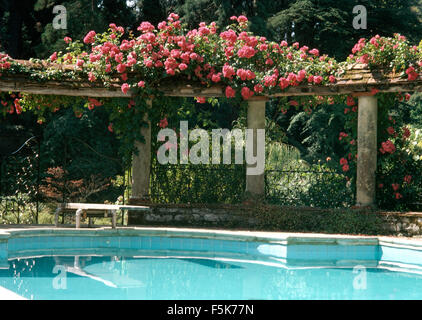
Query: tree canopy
[[26, 26]]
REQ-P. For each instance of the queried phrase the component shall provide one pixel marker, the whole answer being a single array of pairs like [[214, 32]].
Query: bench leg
[[56, 216], [78, 218], [90, 222], [114, 219]]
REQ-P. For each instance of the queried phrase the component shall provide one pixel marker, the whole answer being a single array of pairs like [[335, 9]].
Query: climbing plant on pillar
[[397, 185]]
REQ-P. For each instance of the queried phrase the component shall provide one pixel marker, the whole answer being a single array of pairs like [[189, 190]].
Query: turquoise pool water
[[186, 278], [163, 267]]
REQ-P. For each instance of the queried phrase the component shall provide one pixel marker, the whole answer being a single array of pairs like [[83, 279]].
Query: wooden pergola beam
[[86, 89], [357, 78]]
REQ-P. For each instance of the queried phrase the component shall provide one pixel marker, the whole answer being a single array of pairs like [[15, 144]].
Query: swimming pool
[[154, 263]]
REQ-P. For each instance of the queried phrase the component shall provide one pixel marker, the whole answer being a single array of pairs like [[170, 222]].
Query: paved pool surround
[[289, 248]]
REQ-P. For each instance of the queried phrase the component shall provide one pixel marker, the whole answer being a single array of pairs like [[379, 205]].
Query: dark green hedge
[[341, 221]]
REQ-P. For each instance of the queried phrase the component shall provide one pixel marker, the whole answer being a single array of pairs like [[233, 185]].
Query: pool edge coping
[[241, 235]]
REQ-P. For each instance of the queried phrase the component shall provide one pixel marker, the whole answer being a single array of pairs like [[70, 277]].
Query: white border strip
[[6, 294]]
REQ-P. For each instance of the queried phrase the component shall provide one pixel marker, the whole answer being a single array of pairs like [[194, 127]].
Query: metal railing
[[226, 184], [197, 183]]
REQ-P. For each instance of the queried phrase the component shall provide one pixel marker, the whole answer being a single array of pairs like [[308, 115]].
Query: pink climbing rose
[[230, 92], [89, 38], [125, 88]]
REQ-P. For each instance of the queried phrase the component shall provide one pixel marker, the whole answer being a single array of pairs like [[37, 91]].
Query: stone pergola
[[357, 81]]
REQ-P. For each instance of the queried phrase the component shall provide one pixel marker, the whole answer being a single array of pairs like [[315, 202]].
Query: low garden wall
[[287, 219]]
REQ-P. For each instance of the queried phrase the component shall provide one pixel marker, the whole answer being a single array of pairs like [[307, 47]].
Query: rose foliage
[[243, 64]]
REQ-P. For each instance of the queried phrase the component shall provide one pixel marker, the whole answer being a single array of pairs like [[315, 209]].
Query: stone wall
[[237, 216], [404, 223], [191, 216]]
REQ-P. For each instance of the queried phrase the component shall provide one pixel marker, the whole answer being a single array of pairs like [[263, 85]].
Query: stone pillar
[[367, 151], [141, 165], [255, 184]]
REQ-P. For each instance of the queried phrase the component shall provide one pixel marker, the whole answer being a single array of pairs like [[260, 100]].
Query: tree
[[327, 24], [82, 152], [82, 16]]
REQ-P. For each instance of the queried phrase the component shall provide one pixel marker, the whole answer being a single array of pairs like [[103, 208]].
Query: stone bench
[[93, 210]]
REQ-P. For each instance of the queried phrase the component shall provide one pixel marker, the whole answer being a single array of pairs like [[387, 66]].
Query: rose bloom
[[343, 161], [91, 77], [246, 93], [242, 19], [350, 101], [163, 123], [374, 91], [301, 75], [146, 27], [230, 92], [125, 88], [364, 59], [258, 88], [391, 130], [121, 68], [395, 186], [53, 57], [228, 71], [216, 77], [200, 99], [89, 38], [317, 79], [242, 74], [398, 196], [406, 133], [315, 52], [412, 74], [284, 83], [342, 135], [246, 52], [387, 147]]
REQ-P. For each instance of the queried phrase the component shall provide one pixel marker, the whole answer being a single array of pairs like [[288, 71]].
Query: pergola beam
[[86, 89], [353, 81]]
